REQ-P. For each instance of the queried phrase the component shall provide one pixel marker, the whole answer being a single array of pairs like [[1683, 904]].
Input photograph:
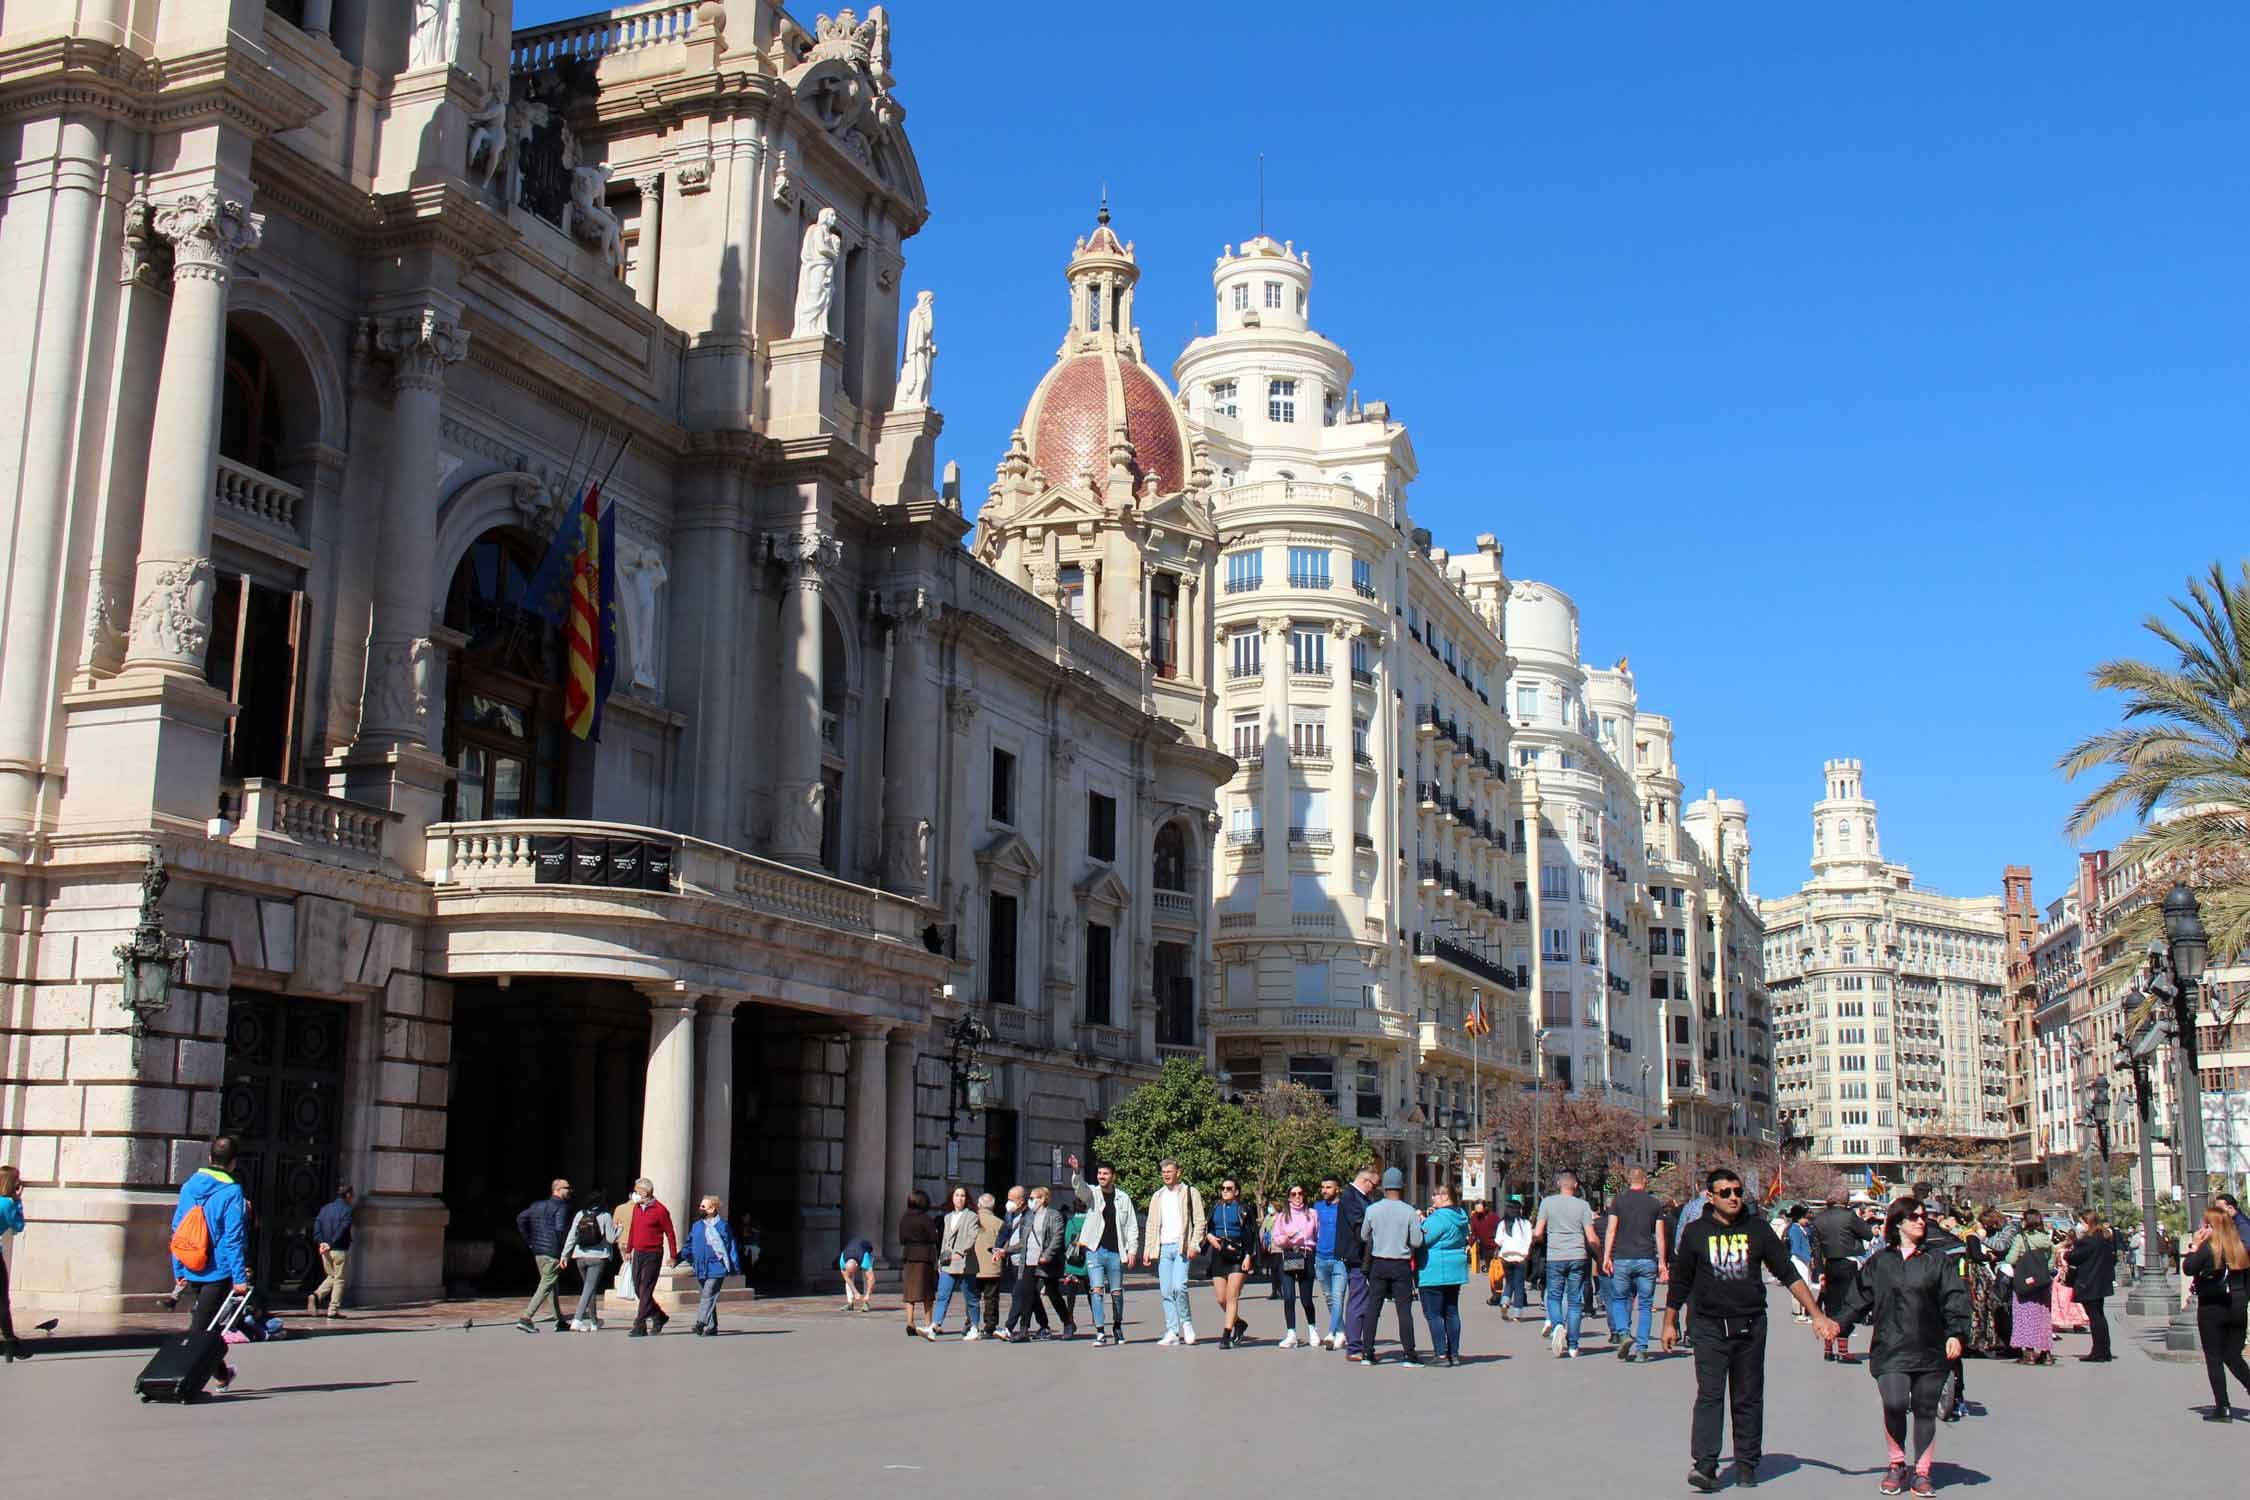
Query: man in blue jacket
[[214, 1190], [332, 1237]]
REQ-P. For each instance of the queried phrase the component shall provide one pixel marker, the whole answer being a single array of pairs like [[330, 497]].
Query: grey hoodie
[[1393, 1229]]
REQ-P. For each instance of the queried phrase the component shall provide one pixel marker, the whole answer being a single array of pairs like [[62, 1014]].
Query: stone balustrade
[[329, 830], [260, 499], [621, 29], [1308, 492], [1340, 1020], [500, 856]]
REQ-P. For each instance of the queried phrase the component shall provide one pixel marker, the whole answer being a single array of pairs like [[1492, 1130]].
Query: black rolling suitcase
[[184, 1364]]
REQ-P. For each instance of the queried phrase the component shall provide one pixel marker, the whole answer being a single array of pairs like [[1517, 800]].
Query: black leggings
[[2221, 1326], [7, 1319], [1918, 1393], [1296, 1286]]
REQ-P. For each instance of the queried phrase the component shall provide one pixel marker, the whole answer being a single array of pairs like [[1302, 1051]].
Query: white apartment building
[[1887, 1004], [2059, 1080]]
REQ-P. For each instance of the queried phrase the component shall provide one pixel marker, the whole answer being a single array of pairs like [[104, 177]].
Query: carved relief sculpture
[[489, 136], [644, 574], [207, 232], [437, 24], [921, 353], [799, 819], [823, 245], [588, 218], [172, 617], [403, 683]]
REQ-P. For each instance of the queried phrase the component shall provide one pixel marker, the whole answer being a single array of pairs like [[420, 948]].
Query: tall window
[[1003, 787], [1223, 397], [1071, 583], [504, 705], [1243, 825], [1281, 401], [1097, 974], [1308, 733], [1245, 570], [1368, 1100], [256, 633], [1360, 750], [1363, 577], [1363, 660], [1245, 653], [1000, 949], [1170, 866], [1093, 309], [1273, 294], [1527, 704], [1249, 738], [1315, 1073], [1554, 945], [1241, 296], [1554, 883], [1101, 827], [1308, 567], [1164, 624], [1308, 651], [1174, 983]]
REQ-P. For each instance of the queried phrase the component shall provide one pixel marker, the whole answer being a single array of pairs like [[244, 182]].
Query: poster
[[2226, 1132], [1472, 1174]]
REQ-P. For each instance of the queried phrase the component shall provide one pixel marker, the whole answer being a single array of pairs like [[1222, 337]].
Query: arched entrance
[[503, 712]]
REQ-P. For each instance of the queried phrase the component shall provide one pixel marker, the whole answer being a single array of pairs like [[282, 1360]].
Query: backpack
[[191, 1241], [590, 1235], [2034, 1274]]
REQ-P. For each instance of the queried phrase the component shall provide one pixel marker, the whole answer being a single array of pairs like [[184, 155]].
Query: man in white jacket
[[1111, 1237]]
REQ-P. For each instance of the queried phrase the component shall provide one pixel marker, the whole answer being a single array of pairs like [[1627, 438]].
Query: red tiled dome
[[1071, 412]]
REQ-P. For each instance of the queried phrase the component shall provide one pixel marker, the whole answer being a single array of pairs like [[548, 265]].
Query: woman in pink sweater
[[1296, 1233]]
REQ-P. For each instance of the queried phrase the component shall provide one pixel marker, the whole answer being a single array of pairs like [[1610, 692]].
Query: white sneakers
[[1335, 1341], [1002, 1335], [1187, 1332], [1558, 1338], [1288, 1340], [1170, 1338], [972, 1335], [927, 1332]]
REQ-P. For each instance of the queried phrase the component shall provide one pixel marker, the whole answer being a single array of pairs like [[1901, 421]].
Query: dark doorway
[[1000, 1164], [283, 1104], [782, 1093]]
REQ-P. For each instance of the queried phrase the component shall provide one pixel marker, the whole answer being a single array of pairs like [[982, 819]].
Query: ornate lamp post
[[2189, 949], [1538, 1087], [2148, 1296], [970, 1079], [150, 963]]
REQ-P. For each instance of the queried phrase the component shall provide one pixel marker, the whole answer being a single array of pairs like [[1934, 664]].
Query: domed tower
[[1845, 841], [1100, 504]]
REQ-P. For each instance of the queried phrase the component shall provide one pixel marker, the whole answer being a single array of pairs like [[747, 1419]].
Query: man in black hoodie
[[1715, 1277], [1838, 1235], [1351, 1214]]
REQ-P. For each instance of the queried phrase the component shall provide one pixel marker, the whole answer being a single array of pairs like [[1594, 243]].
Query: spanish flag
[[1476, 1022], [575, 589]]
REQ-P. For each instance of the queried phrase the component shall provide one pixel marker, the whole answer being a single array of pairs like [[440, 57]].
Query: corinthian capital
[[805, 553], [207, 232], [1276, 626], [420, 346]]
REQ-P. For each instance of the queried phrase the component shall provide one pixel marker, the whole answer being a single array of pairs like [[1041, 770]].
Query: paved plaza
[[799, 1399]]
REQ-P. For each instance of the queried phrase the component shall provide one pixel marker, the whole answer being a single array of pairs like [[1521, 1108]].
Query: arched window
[[250, 424], [1171, 858], [503, 717]]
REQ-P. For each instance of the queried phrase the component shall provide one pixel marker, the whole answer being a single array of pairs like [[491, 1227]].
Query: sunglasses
[[1733, 1192], [1917, 1214]]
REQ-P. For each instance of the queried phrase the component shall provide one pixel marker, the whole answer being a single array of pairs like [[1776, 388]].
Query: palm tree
[[2181, 760]]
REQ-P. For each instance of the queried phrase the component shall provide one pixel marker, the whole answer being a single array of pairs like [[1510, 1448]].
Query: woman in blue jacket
[[11, 1225], [1445, 1266], [709, 1247]]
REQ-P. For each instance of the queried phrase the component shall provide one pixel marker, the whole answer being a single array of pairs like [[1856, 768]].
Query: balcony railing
[[623, 28], [1309, 580], [328, 830], [1430, 950], [1250, 673], [1241, 837], [1363, 677], [1176, 903], [246, 494], [1245, 583], [1309, 838]]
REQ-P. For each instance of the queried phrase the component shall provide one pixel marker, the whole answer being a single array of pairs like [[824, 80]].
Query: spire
[[1103, 216]]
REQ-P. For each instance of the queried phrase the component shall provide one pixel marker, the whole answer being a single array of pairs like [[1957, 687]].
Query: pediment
[[1103, 888], [1185, 511], [1009, 854], [1058, 507]]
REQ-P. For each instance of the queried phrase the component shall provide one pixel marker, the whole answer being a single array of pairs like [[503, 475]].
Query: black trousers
[[7, 1319], [1023, 1303], [1391, 1281], [2097, 1321], [647, 1266], [1836, 1283], [210, 1296], [2221, 1326], [1730, 1362]]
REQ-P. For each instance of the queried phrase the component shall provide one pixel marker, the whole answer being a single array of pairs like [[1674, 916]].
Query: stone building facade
[[340, 305], [1887, 1005]]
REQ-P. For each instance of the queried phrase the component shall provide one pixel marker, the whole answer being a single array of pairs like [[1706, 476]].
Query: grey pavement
[[804, 1400]]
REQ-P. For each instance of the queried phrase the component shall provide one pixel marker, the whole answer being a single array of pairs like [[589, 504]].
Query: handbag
[[2034, 1275], [1294, 1261]]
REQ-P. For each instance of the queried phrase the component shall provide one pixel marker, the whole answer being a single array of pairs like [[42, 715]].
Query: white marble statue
[[588, 216], [816, 275], [921, 353], [436, 24], [644, 573], [488, 134]]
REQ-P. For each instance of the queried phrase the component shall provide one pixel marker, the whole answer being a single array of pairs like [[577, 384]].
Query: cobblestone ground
[[797, 1398]]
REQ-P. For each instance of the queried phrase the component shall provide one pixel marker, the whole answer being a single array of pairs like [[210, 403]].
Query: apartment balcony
[[1436, 950], [1176, 909], [258, 503], [1426, 793], [1363, 843], [1315, 757], [1309, 581], [1362, 677], [1348, 1021], [1427, 719], [1364, 590], [1317, 839], [1246, 585], [1446, 1039], [1255, 672], [1363, 761]]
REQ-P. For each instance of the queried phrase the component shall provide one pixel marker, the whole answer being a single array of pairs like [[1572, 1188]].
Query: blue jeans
[[1512, 1276], [1566, 1295], [1171, 1285], [946, 1282], [1330, 1273], [1104, 1270], [1632, 1279], [1441, 1309]]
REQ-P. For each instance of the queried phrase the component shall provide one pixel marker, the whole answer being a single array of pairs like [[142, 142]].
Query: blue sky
[[1866, 375]]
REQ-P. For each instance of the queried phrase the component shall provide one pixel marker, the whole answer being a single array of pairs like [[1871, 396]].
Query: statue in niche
[[489, 137], [437, 24], [588, 218], [644, 573], [921, 353], [823, 246]]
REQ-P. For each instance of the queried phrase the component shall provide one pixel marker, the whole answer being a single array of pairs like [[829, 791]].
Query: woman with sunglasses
[[1232, 1239], [1296, 1239], [1918, 1305]]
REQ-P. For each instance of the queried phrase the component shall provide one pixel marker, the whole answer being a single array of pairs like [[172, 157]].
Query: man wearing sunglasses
[[1715, 1277]]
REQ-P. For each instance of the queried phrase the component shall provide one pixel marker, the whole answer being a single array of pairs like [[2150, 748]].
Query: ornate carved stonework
[[1276, 626], [172, 617], [147, 260], [105, 623], [804, 553], [961, 707], [798, 817], [207, 232], [400, 674], [420, 346]]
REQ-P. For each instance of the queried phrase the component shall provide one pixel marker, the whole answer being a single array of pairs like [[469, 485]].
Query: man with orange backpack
[[210, 1237]]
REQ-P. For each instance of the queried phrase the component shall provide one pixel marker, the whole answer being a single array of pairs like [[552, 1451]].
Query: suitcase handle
[[230, 1311]]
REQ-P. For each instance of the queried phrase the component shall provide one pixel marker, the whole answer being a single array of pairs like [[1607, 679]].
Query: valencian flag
[[575, 590], [1477, 1023]]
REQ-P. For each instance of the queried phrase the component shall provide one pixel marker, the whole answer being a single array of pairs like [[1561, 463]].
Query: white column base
[[143, 751]]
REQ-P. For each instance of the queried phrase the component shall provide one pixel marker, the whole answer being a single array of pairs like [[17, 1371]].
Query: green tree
[[1179, 1115], [2180, 762], [1299, 1140]]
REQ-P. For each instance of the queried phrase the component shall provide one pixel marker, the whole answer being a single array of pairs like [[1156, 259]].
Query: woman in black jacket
[[2093, 1276], [1918, 1306], [2220, 1264]]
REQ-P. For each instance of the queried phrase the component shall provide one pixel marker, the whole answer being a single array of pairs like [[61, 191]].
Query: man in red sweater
[[649, 1239]]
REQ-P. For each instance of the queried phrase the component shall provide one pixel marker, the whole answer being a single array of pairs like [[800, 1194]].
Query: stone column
[[1343, 776], [317, 14], [395, 707], [714, 1105], [898, 1122], [799, 797], [652, 238], [909, 768], [668, 1106], [172, 579], [865, 1134]]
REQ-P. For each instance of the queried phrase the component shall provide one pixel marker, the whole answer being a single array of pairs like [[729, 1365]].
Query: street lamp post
[[2149, 1296], [2188, 949], [2098, 1118], [1648, 1132], [968, 1036], [1538, 1087]]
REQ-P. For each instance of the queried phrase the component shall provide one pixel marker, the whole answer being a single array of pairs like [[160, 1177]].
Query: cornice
[[440, 215], [292, 184], [500, 351], [229, 84]]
